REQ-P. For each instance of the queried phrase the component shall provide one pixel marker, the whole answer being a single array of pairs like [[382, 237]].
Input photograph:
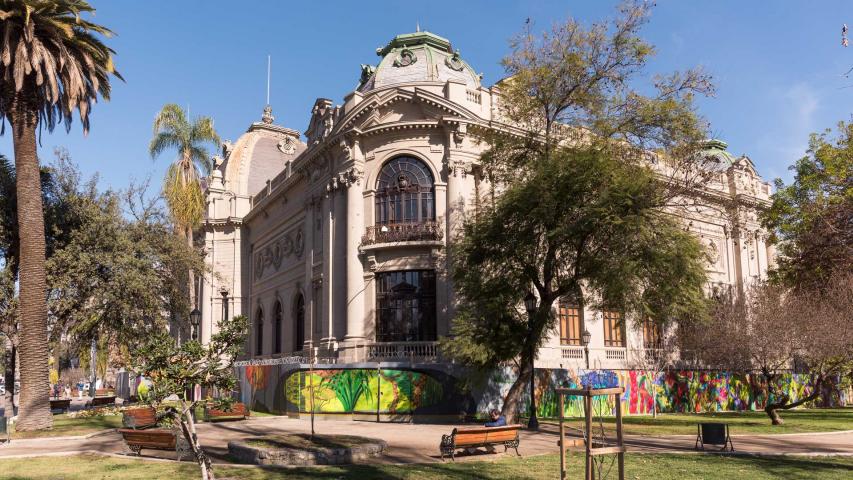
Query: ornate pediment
[[323, 118], [409, 106]]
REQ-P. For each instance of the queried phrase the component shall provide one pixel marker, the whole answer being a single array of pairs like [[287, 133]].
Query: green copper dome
[[715, 154], [417, 57]]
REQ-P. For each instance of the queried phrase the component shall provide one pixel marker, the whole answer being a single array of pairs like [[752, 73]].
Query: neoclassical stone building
[[338, 239]]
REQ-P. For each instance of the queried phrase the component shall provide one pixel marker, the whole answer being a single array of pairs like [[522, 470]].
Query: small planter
[[300, 451]]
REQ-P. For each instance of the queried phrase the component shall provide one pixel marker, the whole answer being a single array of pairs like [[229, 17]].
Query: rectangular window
[[651, 334], [614, 329], [405, 306], [571, 324]]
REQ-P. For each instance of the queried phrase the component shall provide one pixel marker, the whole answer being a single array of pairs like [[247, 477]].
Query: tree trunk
[[191, 276], [188, 429], [513, 398], [34, 411], [772, 409], [9, 378]]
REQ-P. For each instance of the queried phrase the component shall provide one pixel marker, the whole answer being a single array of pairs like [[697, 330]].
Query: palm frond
[[55, 58]]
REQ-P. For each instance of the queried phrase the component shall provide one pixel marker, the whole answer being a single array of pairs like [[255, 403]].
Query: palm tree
[[181, 187], [53, 62]]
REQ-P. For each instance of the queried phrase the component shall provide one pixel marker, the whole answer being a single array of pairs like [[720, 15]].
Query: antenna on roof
[[269, 63], [267, 116], [417, 26]]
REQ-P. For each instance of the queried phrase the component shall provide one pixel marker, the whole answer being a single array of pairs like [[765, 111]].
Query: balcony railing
[[402, 232], [572, 353], [401, 351]]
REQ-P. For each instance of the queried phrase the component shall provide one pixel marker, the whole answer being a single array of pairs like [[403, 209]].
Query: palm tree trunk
[[191, 276], [34, 411]]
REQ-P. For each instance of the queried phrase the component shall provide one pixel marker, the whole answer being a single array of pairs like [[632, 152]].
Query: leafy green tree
[[584, 176], [810, 219], [119, 268], [176, 370], [54, 63], [182, 186]]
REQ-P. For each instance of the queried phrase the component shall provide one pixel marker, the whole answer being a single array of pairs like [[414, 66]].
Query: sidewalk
[[418, 443]]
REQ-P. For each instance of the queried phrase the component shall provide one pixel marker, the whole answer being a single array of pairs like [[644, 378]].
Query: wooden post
[[562, 439], [621, 455], [587, 411]]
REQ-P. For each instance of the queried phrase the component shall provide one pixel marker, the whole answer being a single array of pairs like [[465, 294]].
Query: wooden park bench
[[238, 411], [104, 392], [472, 437], [154, 439], [139, 418], [62, 404], [102, 401]]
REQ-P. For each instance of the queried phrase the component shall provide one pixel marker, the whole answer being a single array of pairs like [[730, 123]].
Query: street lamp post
[[224, 292], [195, 320], [585, 336], [530, 306]]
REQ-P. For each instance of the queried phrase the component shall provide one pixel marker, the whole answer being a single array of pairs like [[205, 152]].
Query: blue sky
[[777, 65]]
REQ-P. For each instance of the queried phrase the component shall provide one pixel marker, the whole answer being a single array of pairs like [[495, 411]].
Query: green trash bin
[[4, 431]]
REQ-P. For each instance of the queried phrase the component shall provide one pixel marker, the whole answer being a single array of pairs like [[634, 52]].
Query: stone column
[[354, 268]]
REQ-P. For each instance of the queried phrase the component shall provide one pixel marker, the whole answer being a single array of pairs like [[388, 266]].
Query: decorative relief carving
[[287, 146], [454, 62], [405, 58], [291, 244], [459, 134], [712, 252]]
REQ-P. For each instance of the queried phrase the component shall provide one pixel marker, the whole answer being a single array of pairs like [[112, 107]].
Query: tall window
[[299, 320], [259, 332], [405, 306], [405, 192], [651, 334], [614, 329], [278, 332], [571, 323]]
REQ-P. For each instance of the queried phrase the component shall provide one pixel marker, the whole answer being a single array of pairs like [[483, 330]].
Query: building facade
[[338, 241]]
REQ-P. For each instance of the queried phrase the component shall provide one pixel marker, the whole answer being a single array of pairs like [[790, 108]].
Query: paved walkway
[[419, 443]]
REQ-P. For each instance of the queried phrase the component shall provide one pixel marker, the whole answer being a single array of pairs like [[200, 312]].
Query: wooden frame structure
[[587, 445]]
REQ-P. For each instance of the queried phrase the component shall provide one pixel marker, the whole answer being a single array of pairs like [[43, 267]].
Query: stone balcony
[[376, 236]]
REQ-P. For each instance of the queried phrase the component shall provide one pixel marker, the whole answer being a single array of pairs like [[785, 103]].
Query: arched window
[[277, 336], [405, 192], [259, 332], [299, 315]]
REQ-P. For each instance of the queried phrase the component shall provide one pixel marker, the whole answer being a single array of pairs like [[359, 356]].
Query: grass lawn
[[66, 427], [87, 467], [740, 423], [63, 426]]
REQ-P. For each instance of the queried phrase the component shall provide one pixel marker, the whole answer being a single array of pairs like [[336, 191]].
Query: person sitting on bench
[[498, 420]]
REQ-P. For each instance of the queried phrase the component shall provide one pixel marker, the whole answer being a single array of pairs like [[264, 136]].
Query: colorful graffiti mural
[[362, 391], [673, 391], [288, 389], [284, 389]]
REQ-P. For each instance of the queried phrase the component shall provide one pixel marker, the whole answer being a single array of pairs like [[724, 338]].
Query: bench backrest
[[237, 410], [103, 392], [141, 417], [160, 438], [103, 400], [65, 402], [482, 435]]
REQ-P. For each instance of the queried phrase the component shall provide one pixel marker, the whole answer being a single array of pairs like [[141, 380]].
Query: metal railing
[[402, 232], [421, 351]]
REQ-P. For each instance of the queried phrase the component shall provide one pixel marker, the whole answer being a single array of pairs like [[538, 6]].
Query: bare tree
[[769, 330]]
